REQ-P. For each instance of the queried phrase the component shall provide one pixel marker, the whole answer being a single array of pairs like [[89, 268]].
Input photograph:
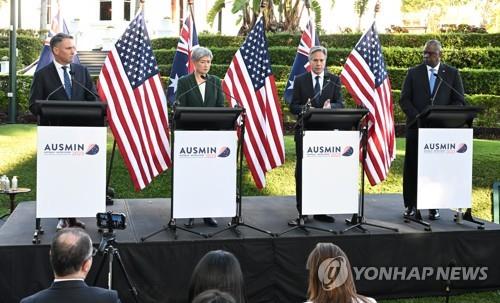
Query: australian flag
[[182, 64], [57, 25], [301, 63]]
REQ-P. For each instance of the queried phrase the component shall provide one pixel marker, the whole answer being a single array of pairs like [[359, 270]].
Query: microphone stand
[[110, 192], [237, 220], [172, 225], [300, 220], [358, 220]]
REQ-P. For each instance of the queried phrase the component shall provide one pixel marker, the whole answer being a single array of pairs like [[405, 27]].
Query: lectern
[[444, 174], [204, 148], [71, 160], [328, 170]]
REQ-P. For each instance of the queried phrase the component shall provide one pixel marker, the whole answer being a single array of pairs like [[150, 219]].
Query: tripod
[[238, 219], [358, 220], [107, 248]]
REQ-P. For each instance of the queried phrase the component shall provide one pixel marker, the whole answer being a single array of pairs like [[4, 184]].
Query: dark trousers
[[410, 168]]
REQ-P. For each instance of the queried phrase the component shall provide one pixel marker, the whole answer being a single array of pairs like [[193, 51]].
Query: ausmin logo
[[92, 149], [333, 272], [329, 151], [204, 152], [446, 148], [71, 149], [224, 152]]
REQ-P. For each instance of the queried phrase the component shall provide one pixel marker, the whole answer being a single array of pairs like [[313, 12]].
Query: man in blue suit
[[62, 80], [71, 260], [320, 89], [430, 83]]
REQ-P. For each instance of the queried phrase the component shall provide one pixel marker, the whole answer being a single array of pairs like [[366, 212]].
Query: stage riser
[[274, 268]]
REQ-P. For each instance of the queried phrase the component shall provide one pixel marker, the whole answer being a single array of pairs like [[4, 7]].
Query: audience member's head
[[213, 296], [330, 276], [220, 270], [71, 253]]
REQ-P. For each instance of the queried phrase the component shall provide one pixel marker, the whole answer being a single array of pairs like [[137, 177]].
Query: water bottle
[[2, 183], [7, 183], [14, 183]]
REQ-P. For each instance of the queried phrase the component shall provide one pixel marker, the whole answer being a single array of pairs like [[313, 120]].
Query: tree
[[360, 8], [288, 14]]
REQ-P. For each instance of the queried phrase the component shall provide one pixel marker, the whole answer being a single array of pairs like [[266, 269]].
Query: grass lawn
[[17, 157]]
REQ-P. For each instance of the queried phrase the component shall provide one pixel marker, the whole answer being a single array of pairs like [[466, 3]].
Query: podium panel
[[71, 171], [204, 174], [330, 172], [444, 168]]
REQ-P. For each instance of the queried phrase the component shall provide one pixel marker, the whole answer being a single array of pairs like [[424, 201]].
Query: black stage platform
[[274, 268]]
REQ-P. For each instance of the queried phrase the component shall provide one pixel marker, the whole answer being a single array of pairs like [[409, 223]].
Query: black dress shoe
[[210, 222], [324, 218], [434, 214], [409, 211], [295, 222], [189, 223]]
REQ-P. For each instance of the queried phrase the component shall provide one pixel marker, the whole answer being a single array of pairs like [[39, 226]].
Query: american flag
[[182, 65], [365, 77], [57, 25], [250, 80], [137, 106], [301, 63]]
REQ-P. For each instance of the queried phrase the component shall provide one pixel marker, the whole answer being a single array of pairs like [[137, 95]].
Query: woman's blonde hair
[[319, 292]]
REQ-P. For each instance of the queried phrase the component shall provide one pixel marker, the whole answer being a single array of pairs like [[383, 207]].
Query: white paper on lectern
[[444, 168], [71, 171], [204, 174], [330, 172]]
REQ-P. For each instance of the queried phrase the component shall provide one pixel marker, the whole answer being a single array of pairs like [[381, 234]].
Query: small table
[[12, 195]]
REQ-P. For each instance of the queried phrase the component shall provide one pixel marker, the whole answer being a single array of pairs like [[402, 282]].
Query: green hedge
[[475, 81], [479, 58], [490, 117], [349, 40], [29, 48]]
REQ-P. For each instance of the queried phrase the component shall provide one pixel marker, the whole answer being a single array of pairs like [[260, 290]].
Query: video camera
[[111, 220]]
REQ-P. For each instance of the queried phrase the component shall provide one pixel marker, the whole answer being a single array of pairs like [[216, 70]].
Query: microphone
[[73, 80], [309, 101], [237, 105], [54, 91], [441, 80]]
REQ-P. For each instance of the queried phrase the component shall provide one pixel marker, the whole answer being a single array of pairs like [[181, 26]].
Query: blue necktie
[[432, 80], [317, 89], [67, 82]]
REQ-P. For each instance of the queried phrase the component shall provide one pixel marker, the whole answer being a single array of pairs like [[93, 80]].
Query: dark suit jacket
[[416, 94], [73, 292], [46, 81], [303, 90], [188, 93]]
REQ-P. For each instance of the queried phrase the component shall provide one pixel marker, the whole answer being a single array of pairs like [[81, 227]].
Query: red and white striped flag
[[137, 107], [250, 80], [365, 77]]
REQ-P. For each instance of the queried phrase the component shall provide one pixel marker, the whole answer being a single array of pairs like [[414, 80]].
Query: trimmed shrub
[[348, 40], [475, 81], [479, 58], [29, 48]]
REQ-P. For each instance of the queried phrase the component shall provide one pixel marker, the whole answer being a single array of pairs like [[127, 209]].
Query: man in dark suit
[[319, 89], [62, 80], [71, 260], [199, 89], [430, 83]]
